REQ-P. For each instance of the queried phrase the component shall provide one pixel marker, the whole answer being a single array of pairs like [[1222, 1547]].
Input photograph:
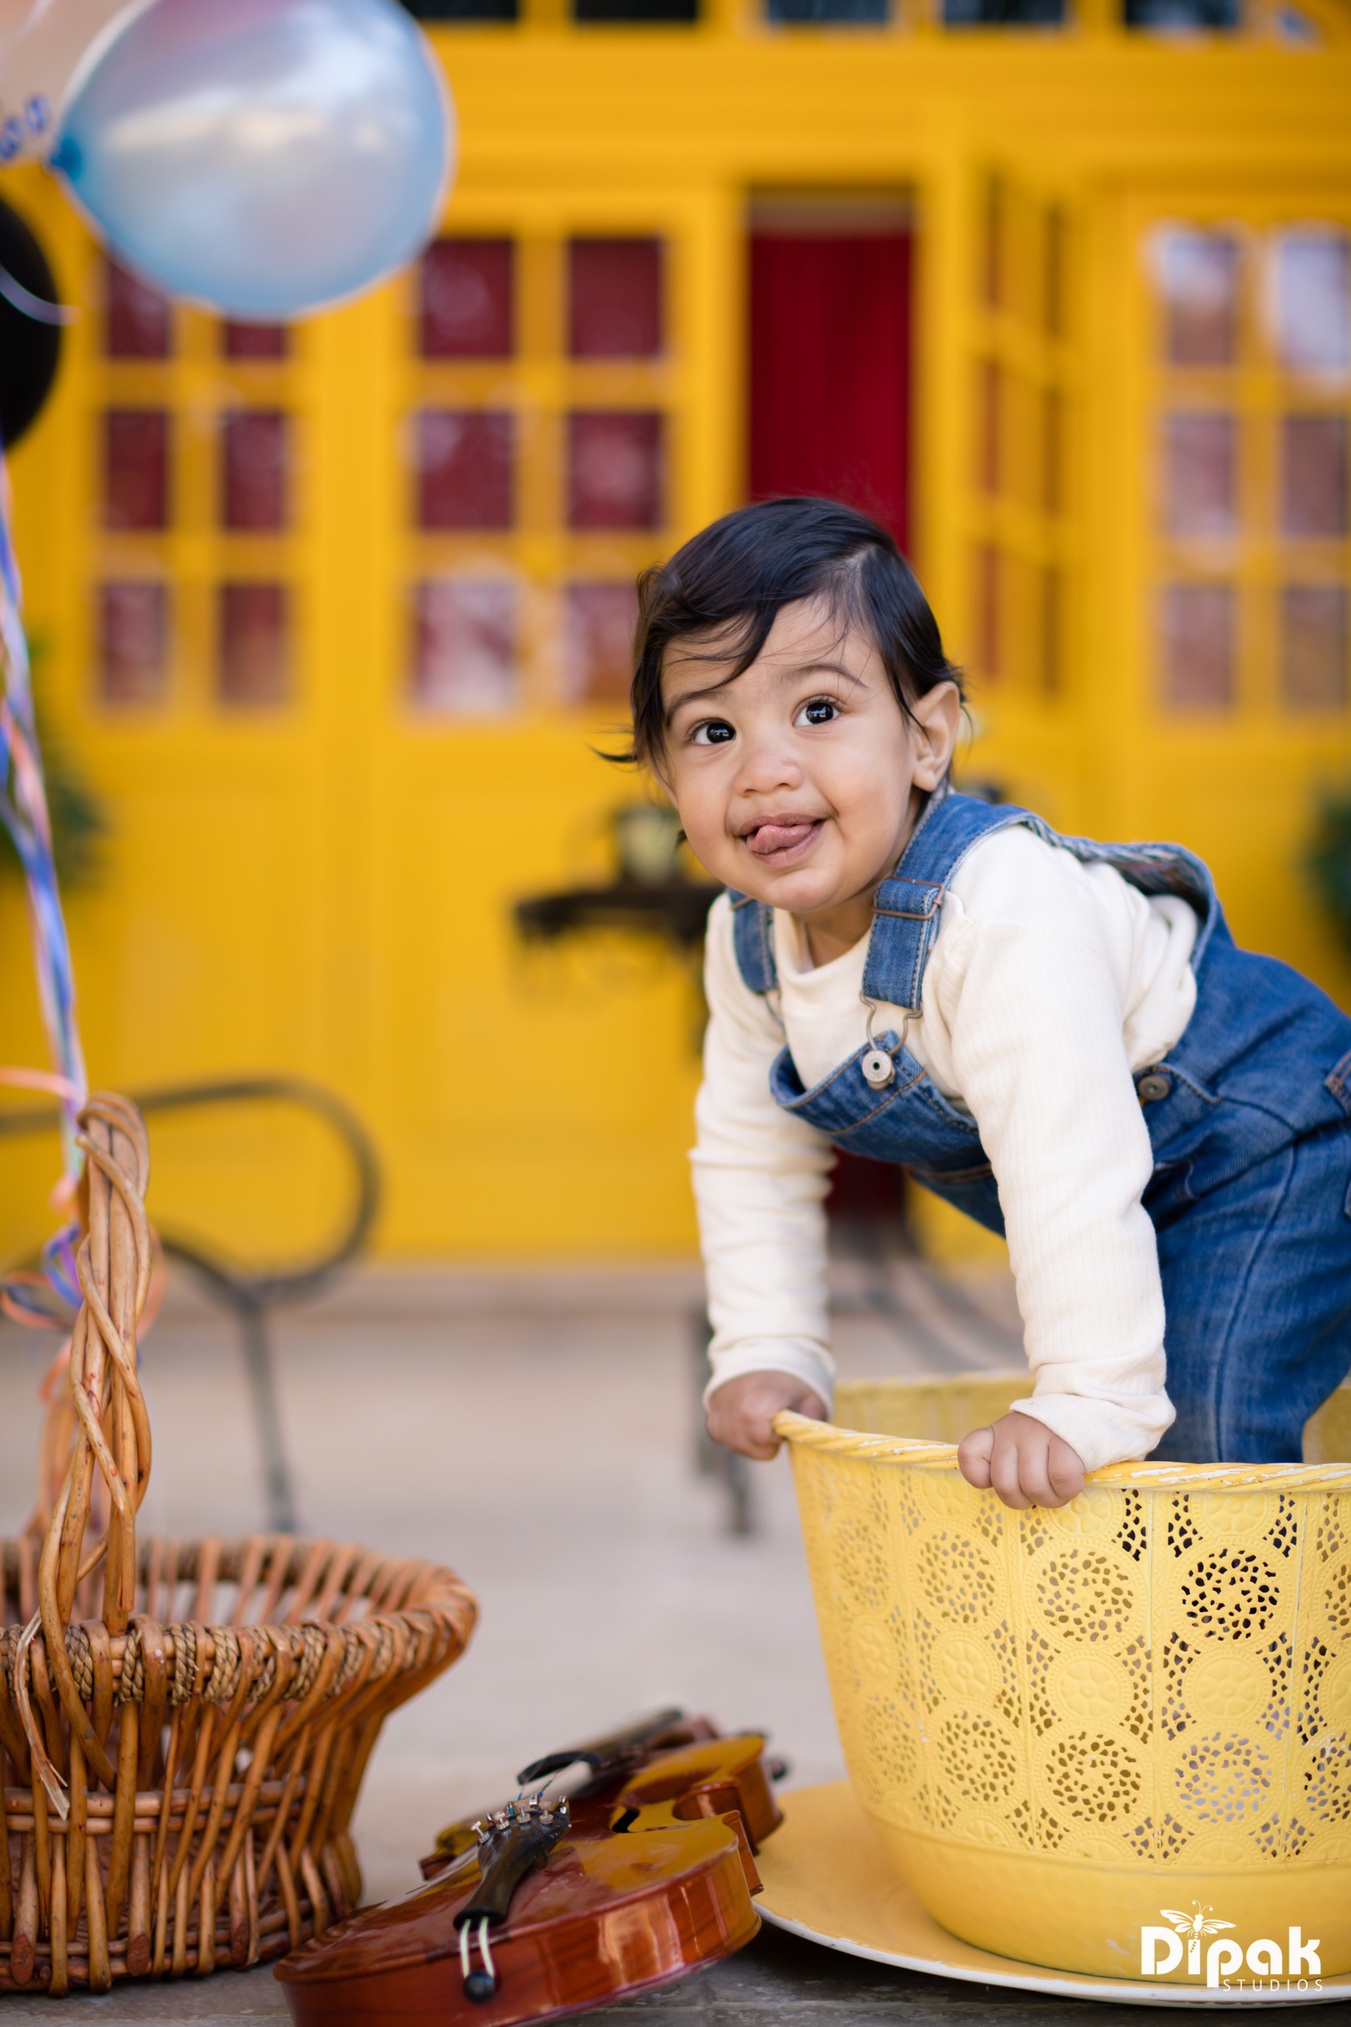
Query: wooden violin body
[[642, 1875]]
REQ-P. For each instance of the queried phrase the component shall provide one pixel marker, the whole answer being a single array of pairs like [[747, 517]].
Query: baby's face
[[795, 782]]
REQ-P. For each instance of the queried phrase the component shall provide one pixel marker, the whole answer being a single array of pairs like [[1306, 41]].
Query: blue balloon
[[267, 157]]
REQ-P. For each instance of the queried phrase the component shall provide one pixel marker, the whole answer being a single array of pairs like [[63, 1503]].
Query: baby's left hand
[[1027, 1463]]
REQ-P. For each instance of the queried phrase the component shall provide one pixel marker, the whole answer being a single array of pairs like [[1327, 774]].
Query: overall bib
[[1249, 1118]]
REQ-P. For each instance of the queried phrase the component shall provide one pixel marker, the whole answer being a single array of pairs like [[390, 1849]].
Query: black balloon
[[30, 345]]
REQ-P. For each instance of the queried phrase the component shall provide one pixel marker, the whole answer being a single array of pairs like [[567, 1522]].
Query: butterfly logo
[[1196, 1924]]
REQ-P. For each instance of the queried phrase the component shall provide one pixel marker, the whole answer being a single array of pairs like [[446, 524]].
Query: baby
[[1058, 1036]]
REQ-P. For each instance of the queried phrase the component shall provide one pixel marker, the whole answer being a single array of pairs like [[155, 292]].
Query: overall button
[[878, 1069], [1152, 1085]]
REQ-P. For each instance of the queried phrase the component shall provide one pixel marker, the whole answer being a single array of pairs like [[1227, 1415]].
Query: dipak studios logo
[[1265, 1965]]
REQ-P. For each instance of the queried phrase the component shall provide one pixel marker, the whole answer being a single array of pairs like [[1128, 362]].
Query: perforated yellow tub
[[1073, 1727]]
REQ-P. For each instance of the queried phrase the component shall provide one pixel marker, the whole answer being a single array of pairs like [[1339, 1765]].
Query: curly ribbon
[[23, 809]]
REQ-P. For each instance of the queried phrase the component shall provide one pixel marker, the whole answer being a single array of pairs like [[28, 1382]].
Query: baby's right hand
[[741, 1412], [1025, 1462]]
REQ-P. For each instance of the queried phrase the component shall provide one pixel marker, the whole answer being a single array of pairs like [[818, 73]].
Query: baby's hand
[[741, 1413], [1027, 1463]]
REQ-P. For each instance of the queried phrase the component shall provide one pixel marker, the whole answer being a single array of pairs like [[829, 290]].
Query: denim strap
[[907, 907], [753, 941]]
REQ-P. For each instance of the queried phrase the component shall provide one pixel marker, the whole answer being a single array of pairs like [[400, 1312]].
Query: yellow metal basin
[[1080, 1734]]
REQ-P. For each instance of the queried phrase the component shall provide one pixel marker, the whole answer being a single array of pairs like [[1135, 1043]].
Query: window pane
[[1313, 475], [466, 303], [1052, 451], [461, 10], [1313, 300], [254, 469], [1004, 13], [828, 10], [1200, 474], [1198, 278], [254, 341], [598, 628], [989, 424], [616, 471], [636, 10], [136, 468], [1053, 285], [988, 641], [1197, 624], [133, 638], [1165, 14], [615, 298], [139, 318], [255, 647], [465, 468], [465, 647], [993, 226], [1313, 646]]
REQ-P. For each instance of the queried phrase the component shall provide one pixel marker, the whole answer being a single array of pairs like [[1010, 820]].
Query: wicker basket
[[1068, 1726], [184, 1726]]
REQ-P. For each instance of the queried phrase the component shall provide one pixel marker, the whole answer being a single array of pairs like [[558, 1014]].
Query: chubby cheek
[[702, 810]]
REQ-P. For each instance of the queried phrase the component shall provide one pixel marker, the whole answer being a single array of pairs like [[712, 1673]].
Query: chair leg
[[278, 1490]]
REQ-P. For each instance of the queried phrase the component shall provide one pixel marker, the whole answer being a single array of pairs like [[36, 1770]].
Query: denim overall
[[1249, 1118]]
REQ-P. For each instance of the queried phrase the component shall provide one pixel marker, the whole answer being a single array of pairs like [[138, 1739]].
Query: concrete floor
[[536, 1431]]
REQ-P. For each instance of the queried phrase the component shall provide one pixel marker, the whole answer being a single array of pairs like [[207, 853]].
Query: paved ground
[[536, 1431]]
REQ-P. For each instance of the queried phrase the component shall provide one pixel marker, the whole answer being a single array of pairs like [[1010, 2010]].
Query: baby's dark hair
[[728, 583]]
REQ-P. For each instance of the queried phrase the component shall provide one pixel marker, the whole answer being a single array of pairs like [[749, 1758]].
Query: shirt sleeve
[[760, 1181], [1034, 1013]]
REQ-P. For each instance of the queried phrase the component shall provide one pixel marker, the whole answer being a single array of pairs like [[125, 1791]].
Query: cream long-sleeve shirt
[[1049, 984]]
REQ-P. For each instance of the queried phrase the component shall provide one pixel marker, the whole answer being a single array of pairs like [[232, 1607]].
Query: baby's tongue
[[774, 837]]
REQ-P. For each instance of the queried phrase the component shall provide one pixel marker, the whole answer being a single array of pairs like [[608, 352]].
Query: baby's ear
[[936, 719]]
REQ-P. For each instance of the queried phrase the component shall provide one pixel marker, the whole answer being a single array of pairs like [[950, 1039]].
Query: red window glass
[[1200, 474], [598, 635], [616, 470], [1314, 475], [1314, 646], [1198, 277], [254, 469], [465, 468], [465, 647], [615, 298], [1198, 645], [990, 424], [467, 299], [254, 639], [254, 341], [133, 643], [139, 319], [989, 617], [136, 468]]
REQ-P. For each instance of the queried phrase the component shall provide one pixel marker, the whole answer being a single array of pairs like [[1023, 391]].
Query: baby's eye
[[712, 732], [819, 711]]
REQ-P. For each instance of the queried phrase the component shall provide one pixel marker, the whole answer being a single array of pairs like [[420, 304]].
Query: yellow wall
[[325, 887]]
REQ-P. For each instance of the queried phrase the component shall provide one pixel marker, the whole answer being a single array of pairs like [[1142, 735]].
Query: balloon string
[[24, 812]]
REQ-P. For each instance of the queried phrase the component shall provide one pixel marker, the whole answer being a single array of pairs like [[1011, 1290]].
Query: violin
[[643, 1872]]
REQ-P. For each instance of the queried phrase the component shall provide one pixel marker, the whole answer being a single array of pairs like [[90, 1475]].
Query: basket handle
[[112, 1431]]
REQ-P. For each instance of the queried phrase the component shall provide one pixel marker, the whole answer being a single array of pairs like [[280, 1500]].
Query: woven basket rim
[[443, 1595], [915, 1451]]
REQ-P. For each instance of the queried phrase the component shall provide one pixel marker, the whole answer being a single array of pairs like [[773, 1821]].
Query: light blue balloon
[[267, 157]]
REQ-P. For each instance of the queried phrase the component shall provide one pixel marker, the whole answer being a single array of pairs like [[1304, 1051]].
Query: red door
[[830, 368], [830, 413]]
